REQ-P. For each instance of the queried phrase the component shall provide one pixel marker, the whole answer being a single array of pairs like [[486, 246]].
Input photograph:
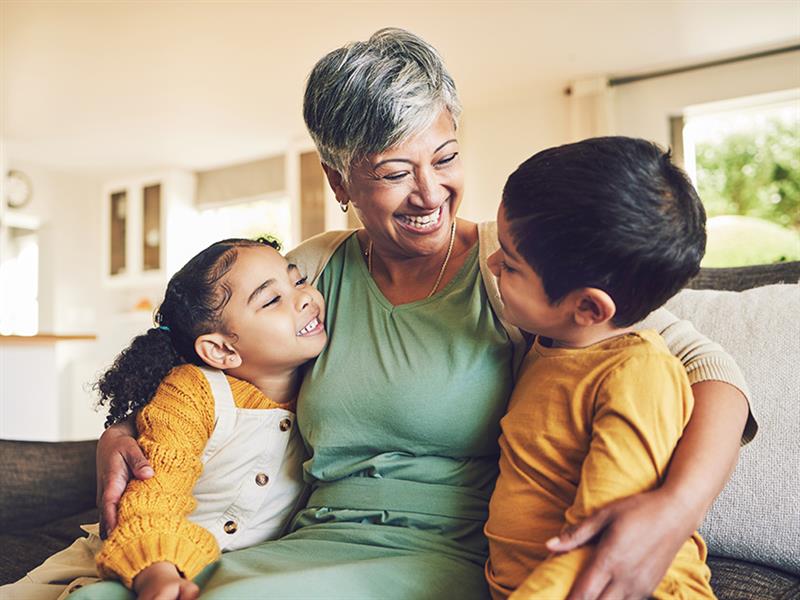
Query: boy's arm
[[153, 526], [639, 416], [553, 578], [708, 451], [638, 537], [701, 465]]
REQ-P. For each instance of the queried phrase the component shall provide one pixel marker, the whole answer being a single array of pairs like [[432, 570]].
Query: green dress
[[400, 414]]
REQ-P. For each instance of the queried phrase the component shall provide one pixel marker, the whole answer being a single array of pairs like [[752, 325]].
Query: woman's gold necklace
[[444, 264]]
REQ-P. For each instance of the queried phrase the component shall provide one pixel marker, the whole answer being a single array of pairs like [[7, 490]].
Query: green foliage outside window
[[753, 174], [756, 174]]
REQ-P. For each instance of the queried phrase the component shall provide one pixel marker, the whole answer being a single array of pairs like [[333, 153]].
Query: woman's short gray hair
[[366, 97]]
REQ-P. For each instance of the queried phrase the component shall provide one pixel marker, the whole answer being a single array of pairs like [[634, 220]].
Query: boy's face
[[526, 303]]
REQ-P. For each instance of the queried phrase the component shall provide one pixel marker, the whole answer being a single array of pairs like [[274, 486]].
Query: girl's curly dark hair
[[192, 307]]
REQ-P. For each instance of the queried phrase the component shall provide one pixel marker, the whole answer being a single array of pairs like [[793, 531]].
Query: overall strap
[[224, 408]]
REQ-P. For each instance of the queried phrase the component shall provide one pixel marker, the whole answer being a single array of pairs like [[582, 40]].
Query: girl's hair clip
[[164, 328]]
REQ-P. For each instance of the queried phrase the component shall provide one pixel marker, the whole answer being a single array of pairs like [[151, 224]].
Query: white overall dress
[[249, 488]]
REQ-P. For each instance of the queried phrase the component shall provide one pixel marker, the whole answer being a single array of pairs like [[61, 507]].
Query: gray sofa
[[48, 489]]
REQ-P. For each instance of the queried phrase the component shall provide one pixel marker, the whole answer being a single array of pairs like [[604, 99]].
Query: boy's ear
[[336, 181], [592, 307], [216, 352]]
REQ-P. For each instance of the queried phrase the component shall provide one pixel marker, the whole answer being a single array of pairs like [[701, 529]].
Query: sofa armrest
[[44, 481], [736, 279]]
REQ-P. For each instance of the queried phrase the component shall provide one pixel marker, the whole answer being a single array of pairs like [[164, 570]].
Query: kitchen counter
[[44, 338]]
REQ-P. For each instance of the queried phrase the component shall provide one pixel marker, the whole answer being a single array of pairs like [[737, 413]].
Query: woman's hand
[[119, 458], [161, 581], [637, 539]]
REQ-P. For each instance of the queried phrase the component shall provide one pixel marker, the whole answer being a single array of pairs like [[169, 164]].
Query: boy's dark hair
[[192, 306], [612, 213]]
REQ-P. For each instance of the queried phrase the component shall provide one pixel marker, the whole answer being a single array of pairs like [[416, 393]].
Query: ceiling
[[113, 84]]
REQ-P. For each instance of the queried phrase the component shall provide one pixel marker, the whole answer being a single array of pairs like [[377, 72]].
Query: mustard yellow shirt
[[585, 427], [174, 428]]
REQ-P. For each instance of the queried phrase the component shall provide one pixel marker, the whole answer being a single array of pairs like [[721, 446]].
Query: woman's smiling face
[[408, 195]]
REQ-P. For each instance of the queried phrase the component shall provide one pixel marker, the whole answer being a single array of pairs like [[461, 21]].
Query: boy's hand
[[161, 581]]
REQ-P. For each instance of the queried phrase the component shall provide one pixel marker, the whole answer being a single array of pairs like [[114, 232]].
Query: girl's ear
[[336, 181], [592, 307], [216, 352]]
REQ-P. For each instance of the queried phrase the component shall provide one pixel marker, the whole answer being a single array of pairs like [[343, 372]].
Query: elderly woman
[[400, 413]]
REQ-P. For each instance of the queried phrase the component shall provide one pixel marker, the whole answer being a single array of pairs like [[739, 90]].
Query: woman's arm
[[119, 459], [638, 537], [707, 453]]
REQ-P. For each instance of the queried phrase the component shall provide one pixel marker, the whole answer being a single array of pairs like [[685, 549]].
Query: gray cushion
[[44, 481], [757, 516]]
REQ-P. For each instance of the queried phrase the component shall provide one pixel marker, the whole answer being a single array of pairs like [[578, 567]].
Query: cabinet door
[[147, 222], [118, 231], [152, 234]]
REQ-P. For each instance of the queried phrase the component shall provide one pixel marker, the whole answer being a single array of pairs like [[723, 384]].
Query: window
[[267, 217], [19, 282], [744, 158]]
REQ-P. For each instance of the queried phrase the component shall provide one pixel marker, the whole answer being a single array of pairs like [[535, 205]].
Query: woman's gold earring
[[344, 206]]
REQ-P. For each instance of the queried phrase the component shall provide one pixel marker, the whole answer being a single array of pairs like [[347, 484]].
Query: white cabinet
[[40, 399], [146, 224]]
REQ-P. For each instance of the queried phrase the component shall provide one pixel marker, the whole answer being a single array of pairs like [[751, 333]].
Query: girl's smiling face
[[273, 319]]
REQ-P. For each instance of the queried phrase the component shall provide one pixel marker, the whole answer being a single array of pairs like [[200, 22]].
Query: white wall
[[643, 109], [28, 387], [73, 300], [495, 139]]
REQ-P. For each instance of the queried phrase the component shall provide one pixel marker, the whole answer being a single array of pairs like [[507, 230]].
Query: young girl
[[221, 367]]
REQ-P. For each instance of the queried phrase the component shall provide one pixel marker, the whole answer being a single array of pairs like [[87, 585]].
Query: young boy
[[594, 236]]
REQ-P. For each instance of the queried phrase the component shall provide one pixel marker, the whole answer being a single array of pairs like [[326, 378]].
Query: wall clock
[[19, 189]]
